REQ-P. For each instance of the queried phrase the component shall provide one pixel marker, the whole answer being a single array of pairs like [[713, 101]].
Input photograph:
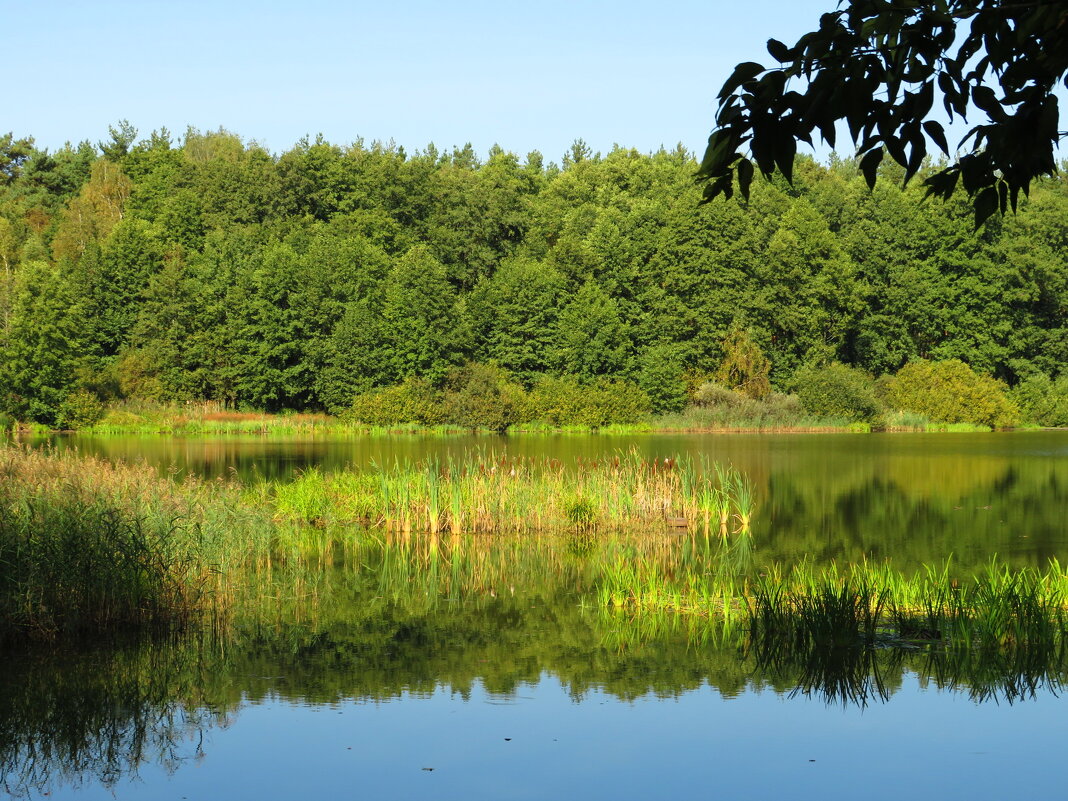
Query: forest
[[205, 268]]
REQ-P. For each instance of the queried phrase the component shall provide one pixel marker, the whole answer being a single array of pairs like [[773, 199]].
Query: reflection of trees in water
[[863, 674], [100, 716], [1015, 513]]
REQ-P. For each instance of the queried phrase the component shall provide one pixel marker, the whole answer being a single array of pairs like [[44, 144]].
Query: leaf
[[778, 51], [986, 203], [937, 133], [985, 98], [924, 100], [942, 184], [918, 152], [745, 71], [745, 177], [869, 166], [785, 150], [896, 148]]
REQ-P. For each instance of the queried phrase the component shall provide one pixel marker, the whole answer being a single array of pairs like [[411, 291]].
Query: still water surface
[[539, 694], [913, 498]]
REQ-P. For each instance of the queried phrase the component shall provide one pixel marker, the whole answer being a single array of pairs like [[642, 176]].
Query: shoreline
[[291, 425]]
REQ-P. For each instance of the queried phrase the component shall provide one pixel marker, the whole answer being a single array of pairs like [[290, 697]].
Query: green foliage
[[591, 336], [81, 409], [514, 317], [41, 351], [661, 378], [951, 392], [1042, 400], [744, 366], [837, 391], [414, 401], [483, 396], [762, 116], [423, 324], [568, 401], [214, 271]]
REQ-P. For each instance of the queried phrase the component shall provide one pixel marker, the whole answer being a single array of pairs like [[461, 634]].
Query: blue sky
[[526, 76]]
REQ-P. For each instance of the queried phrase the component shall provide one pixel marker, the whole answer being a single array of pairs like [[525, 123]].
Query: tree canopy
[[879, 66], [209, 269]]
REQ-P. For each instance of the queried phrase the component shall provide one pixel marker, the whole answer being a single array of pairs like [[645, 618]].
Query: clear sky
[[523, 75]]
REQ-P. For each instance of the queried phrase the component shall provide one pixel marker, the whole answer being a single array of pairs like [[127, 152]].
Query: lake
[[350, 685]]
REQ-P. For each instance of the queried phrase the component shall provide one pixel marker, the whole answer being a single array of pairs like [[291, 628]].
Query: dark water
[[353, 687]]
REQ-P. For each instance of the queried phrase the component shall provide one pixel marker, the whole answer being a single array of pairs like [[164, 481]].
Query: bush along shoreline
[[944, 396]]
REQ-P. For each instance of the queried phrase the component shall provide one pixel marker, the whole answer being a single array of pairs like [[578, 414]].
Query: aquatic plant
[[88, 546], [489, 492]]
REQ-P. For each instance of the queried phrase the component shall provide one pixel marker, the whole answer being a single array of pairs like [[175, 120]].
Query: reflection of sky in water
[[541, 744]]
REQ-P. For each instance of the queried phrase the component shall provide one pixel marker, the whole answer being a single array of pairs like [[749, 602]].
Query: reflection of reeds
[[1000, 607]]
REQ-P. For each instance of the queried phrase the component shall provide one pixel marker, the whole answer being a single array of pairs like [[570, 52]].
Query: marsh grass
[[87, 546], [487, 492], [858, 605]]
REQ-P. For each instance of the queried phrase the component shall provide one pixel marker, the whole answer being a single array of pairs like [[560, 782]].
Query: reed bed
[[87, 546], [485, 492], [856, 605], [998, 606]]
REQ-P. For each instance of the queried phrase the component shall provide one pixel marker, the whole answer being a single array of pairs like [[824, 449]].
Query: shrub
[[1042, 400], [726, 407], [483, 396], [744, 367], [566, 401], [713, 395], [81, 409], [414, 401], [950, 392], [837, 391]]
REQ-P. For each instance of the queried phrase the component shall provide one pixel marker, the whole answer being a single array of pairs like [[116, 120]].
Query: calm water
[[533, 692], [911, 497]]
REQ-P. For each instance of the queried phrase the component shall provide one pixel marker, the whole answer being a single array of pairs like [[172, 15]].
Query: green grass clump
[[832, 607], [486, 492], [88, 547]]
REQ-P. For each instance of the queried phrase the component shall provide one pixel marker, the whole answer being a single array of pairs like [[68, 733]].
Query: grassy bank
[[211, 419]]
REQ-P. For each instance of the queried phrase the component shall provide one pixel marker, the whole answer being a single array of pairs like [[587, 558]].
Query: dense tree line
[[212, 269]]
